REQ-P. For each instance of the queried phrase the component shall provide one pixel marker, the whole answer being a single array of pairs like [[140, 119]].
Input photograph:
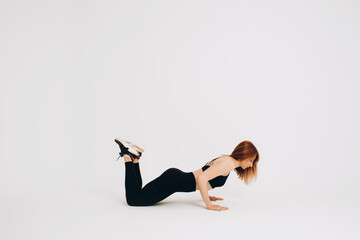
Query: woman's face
[[247, 163]]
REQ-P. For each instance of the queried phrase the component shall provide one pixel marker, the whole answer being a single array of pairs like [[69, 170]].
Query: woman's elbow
[[201, 178]]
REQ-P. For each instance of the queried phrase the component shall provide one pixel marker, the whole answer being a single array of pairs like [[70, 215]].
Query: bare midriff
[[199, 171], [196, 174]]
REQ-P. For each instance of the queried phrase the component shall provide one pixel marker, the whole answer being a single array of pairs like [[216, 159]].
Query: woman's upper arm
[[220, 168]]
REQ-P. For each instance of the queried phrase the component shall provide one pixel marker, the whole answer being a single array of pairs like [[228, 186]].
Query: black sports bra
[[219, 180]]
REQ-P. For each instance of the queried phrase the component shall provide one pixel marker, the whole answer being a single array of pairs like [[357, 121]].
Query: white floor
[[102, 213], [187, 81]]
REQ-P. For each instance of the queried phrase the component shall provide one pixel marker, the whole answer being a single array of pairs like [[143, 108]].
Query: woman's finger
[[223, 208]]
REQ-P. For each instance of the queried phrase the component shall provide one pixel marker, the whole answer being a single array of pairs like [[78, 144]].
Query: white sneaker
[[137, 148], [127, 148]]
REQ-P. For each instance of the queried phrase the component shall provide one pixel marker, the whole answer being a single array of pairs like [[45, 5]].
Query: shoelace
[[119, 156], [129, 153]]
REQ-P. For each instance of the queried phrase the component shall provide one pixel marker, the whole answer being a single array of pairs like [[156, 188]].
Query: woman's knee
[[134, 201], [131, 201]]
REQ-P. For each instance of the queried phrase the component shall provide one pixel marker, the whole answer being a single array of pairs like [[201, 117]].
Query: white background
[[187, 81]]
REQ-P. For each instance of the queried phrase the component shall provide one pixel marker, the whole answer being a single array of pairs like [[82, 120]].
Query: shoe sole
[[139, 149], [136, 147], [127, 145]]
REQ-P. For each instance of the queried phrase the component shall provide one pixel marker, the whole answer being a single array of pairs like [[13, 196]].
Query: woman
[[243, 160]]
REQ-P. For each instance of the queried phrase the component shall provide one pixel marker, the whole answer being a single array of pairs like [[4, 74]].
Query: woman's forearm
[[203, 190]]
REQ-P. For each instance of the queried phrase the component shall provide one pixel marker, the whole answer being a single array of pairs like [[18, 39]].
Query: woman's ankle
[[127, 158]]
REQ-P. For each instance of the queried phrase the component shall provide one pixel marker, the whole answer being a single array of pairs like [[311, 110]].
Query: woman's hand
[[213, 198], [216, 207]]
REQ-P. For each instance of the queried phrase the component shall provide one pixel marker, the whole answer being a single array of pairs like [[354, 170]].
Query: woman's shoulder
[[227, 158]]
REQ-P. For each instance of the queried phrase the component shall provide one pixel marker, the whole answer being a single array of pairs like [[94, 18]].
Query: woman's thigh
[[167, 183]]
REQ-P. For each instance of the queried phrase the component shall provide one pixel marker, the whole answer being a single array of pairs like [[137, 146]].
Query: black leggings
[[171, 181]]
